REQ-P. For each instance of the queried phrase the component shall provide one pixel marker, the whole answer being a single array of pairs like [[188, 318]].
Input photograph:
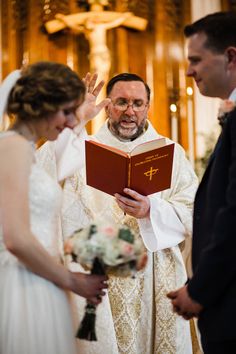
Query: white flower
[[226, 106]]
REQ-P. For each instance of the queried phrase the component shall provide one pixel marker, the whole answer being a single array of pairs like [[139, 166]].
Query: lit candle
[[174, 122], [190, 124]]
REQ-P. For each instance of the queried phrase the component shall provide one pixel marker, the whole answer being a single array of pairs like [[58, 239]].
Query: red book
[[146, 169]]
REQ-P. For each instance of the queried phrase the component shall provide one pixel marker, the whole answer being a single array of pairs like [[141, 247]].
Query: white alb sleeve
[[70, 152], [163, 229]]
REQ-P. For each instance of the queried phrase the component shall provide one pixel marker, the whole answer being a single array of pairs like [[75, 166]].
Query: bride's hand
[[89, 109], [90, 286]]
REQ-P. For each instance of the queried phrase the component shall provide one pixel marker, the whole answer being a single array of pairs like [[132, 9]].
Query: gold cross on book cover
[[147, 169]]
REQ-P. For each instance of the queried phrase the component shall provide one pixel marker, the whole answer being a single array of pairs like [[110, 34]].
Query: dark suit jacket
[[214, 240]]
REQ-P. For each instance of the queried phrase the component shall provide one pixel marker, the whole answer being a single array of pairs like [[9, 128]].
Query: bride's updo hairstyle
[[42, 89]]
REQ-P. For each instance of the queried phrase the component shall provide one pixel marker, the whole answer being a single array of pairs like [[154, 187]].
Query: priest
[[135, 317]]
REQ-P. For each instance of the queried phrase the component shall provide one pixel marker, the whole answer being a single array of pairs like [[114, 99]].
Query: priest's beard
[[126, 133]]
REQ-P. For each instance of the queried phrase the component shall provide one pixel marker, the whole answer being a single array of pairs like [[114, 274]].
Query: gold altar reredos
[[140, 36], [94, 24]]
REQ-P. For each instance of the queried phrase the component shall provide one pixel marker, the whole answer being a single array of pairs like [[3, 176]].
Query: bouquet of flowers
[[105, 249]]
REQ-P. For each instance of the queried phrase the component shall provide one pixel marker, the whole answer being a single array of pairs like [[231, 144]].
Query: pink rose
[[109, 231], [226, 106], [127, 249]]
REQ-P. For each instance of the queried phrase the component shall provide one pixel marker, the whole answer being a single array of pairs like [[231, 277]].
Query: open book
[[146, 169]]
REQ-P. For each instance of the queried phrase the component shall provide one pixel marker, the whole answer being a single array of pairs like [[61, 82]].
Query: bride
[[35, 317]]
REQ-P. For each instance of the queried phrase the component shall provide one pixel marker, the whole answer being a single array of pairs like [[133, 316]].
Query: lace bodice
[[45, 202]]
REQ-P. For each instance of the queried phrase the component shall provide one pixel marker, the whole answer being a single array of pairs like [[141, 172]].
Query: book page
[[110, 148], [148, 146]]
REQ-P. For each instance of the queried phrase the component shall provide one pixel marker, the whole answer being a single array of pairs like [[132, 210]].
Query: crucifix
[[94, 24]]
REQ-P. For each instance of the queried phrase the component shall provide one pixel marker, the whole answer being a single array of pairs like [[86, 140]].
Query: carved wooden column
[[169, 69], [13, 29], [205, 108], [52, 47], [121, 40], [160, 98], [228, 5]]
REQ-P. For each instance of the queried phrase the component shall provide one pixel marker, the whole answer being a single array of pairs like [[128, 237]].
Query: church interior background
[[112, 36]]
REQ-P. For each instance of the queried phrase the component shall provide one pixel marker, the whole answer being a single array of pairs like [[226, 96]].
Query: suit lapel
[[210, 162]]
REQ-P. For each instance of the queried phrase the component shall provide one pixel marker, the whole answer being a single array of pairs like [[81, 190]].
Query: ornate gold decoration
[[151, 172], [51, 7], [173, 9], [94, 25], [125, 295], [165, 320], [20, 14]]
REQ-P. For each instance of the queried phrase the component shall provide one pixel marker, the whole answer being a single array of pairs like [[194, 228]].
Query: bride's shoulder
[[11, 137], [13, 144]]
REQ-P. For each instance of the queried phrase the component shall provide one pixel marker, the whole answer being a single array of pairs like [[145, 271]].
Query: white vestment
[[136, 317]]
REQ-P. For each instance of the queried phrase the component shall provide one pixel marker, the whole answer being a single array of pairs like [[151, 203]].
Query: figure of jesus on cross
[[95, 32], [95, 24]]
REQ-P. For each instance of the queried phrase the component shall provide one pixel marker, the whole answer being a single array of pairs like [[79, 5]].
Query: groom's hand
[[183, 304]]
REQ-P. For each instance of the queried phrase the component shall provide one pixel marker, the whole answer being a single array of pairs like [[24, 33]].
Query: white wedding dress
[[35, 315]]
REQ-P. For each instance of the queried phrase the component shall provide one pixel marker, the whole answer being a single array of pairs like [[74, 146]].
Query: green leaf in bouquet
[[78, 231], [92, 230], [126, 235]]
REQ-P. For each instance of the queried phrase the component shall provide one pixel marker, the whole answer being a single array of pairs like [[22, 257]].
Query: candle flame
[[173, 108]]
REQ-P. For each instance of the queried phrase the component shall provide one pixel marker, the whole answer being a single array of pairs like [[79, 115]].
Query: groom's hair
[[219, 28], [127, 77]]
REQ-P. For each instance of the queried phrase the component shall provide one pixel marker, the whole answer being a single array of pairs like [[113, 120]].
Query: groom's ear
[[231, 55]]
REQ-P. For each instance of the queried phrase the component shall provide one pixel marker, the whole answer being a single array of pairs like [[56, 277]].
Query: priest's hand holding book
[[134, 204]]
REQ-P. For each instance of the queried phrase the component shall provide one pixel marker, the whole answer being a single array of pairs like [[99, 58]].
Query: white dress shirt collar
[[232, 96]]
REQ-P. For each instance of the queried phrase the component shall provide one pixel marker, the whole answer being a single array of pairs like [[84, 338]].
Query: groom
[[211, 293]]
